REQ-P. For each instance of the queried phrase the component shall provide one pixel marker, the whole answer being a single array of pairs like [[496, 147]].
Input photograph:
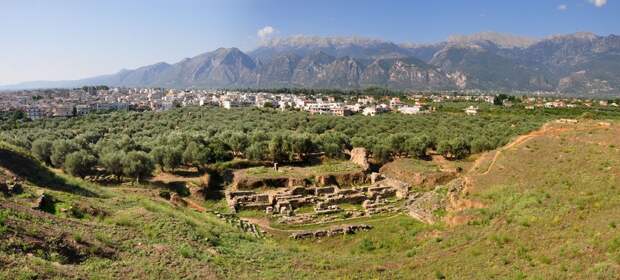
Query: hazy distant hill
[[580, 63]]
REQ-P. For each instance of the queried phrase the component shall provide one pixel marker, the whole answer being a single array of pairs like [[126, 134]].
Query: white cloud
[[265, 32], [598, 3], [562, 7]]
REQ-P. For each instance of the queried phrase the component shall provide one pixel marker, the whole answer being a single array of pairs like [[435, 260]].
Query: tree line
[[134, 144]]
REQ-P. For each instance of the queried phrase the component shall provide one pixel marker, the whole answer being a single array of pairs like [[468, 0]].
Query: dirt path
[[444, 164], [168, 177], [520, 140], [459, 202], [544, 130], [192, 204], [467, 179]]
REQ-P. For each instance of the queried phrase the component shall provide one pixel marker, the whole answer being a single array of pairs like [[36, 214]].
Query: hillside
[[544, 206], [549, 200], [86, 231]]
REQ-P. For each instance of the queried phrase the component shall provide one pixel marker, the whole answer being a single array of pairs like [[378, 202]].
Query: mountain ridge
[[579, 63]]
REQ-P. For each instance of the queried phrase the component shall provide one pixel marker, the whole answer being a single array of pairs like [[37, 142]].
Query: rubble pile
[[378, 205], [245, 226], [339, 230], [11, 187], [423, 206]]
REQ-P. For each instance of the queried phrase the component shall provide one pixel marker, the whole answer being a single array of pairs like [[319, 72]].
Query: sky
[[74, 39]]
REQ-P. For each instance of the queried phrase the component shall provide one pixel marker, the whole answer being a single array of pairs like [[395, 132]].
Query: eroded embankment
[[243, 181]]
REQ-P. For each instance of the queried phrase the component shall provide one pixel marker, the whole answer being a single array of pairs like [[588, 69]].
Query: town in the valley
[[46, 103]]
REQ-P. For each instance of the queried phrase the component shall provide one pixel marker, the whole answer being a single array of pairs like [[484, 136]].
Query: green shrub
[[187, 251], [367, 245], [4, 214]]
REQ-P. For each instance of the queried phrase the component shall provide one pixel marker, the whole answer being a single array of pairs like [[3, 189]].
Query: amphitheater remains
[[300, 196]]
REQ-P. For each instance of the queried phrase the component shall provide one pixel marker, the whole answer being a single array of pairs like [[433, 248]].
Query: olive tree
[[456, 148], [79, 163], [258, 151], [113, 163], [381, 152], [416, 146], [196, 154], [172, 158], [137, 164], [60, 150], [277, 148], [238, 142], [42, 150]]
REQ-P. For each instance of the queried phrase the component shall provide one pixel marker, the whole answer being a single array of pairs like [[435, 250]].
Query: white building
[[471, 111], [354, 108], [228, 104], [369, 111], [366, 100], [411, 110], [395, 103], [81, 110], [335, 108], [62, 111], [34, 113]]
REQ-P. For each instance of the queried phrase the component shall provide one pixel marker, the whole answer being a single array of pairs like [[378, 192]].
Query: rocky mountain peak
[[303, 41], [500, 39], [576, 36], [579, 63]]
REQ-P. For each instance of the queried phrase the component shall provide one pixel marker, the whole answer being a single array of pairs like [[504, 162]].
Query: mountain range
[[582, 64]]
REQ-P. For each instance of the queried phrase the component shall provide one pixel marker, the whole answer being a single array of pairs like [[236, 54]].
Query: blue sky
[[71, 39]]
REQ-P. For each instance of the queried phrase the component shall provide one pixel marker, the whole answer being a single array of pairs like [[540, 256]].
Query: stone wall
[[339, 230], [359, 156], [241, 224], [346, 179], [342, 179]]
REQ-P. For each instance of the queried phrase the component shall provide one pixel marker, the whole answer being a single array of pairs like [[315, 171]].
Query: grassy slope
[[553, 204], [150, 237], [552, 213]]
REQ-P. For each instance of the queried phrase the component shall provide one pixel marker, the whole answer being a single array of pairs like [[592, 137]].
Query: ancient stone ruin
[[423, 206], [321, 201], [246, 226], [338, 230], [359, 156], [327, 198], [242, 182]]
